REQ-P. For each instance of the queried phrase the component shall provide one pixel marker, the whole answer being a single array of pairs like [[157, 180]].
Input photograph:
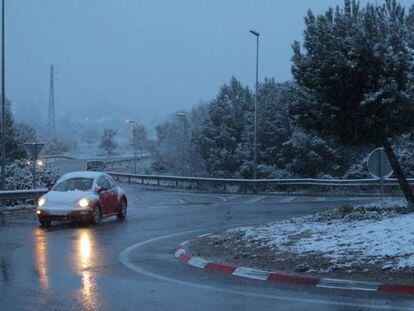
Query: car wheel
[[123, 212], [44, 223], [96, 215]]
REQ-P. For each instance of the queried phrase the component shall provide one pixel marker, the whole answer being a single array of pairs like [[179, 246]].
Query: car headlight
[[41, 202], [83, 203]]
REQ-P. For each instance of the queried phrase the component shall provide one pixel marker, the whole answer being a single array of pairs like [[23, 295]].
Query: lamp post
[[183, 115], [257, 35], [134, 138], [3, 105]]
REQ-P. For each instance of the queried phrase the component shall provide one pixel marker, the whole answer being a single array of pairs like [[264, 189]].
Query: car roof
[[81, 174]]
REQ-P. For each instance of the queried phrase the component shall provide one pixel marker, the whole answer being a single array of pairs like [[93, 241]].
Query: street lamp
[[183, 115], [134, 142], [257, 35], [3, 105]]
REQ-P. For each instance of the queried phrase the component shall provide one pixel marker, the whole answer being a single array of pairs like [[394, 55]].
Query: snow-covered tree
[[108, 142], [19, 175], [171, 135], [357, 71], [220, 136], [16, 136]]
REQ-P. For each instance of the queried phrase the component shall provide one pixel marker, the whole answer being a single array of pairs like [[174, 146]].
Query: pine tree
[[220, 136], [357, 73]]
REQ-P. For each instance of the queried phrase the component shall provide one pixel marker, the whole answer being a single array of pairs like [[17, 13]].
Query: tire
[[96, 215], [44, 223], [123, 212]]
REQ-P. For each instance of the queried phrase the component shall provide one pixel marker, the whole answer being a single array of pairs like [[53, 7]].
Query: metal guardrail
[[57, 156], [31, 194], [224, 183], [110, 165], [198, 182], [34, 194]]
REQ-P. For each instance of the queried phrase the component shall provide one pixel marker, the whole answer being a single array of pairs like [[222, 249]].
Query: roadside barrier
[[259, 185]]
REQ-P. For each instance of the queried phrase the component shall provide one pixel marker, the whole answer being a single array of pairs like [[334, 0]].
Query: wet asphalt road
[[69, 267]]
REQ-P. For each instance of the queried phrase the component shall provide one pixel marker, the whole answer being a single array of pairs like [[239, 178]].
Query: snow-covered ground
[[380, 237]]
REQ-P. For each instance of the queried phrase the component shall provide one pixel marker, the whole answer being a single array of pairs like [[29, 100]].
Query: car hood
[[62, 197]]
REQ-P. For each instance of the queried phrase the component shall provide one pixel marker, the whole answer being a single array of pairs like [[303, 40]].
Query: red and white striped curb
[[289, 278]]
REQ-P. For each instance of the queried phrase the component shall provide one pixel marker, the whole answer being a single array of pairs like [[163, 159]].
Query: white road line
[[202, 236], [287, 200], [232, 197], [124, 258], [255, 199]]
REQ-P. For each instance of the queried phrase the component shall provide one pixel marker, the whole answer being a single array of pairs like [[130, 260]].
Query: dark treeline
[[219, 139]]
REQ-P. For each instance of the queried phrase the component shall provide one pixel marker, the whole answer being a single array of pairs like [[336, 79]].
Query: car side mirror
[[50, 186], [100, 189]]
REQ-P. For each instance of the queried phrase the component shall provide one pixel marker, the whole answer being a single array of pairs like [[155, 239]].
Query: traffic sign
[[378, 164]]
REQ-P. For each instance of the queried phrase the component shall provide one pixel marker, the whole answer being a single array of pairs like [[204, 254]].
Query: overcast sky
[[143, 59]]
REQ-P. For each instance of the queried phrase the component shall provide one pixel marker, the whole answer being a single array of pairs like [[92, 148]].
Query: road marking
[[287, 200], [255, 199], [202, 236], [232, 197], [124, 259], [320, 199]]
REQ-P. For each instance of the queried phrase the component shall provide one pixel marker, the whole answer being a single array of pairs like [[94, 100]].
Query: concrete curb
[[183, 255]]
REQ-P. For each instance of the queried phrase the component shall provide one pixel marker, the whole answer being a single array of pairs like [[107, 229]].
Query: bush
[[19, 175]]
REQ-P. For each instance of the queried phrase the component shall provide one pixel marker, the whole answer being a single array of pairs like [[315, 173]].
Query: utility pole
[[134, 142], [257, 35], [3, 104], [183, 115], [51, 124]]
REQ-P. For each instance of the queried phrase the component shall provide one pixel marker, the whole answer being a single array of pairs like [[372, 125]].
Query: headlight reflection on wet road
[[85, 258], [40, 257]]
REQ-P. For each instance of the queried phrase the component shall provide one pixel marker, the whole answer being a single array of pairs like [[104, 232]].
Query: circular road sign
[[378, 164]]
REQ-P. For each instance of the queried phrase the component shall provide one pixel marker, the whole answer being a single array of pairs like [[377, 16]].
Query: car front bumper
[[64, 215]]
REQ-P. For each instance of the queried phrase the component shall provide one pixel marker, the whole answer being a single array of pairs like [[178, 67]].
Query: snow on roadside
[[388, 241]]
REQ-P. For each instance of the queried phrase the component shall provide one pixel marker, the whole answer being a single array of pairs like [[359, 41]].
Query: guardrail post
[[142, 180], [225, 186], [158, 182], [129, 179]]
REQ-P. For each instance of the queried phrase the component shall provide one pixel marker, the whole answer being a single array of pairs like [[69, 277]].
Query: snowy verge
[[370, 241]]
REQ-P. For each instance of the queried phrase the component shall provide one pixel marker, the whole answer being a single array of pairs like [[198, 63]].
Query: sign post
[[379, 167], [34, 149]]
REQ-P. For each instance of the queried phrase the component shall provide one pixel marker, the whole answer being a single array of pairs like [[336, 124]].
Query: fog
[[141, 59]]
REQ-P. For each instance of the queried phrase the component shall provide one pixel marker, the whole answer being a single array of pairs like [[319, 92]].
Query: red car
[[82, 196]]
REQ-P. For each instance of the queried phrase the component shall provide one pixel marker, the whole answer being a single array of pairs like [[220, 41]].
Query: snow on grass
[[345, 242]]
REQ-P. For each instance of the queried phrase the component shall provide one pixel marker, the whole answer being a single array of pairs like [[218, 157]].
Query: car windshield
[[82, 184]]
